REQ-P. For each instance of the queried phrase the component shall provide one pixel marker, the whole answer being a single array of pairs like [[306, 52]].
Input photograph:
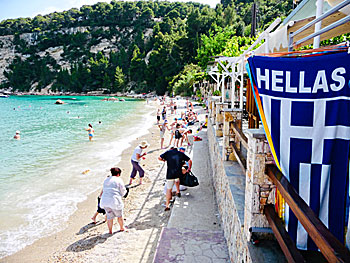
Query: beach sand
[[83, 241]]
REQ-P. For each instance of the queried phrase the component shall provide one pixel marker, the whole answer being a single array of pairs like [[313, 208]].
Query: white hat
[[144, 144], [18, 132]]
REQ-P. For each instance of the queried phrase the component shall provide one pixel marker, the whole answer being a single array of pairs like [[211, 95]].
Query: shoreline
[[55, 247]]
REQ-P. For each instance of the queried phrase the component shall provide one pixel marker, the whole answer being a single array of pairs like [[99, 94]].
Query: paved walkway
[[194, 233]]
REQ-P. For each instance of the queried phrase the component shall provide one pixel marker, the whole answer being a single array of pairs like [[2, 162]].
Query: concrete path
[[194, 233]]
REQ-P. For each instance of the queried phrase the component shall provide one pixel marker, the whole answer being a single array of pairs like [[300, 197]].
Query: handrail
[[241, 136], [284, 240], [331, 248], [240, 159]]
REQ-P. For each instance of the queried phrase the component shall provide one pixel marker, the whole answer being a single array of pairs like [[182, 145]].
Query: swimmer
[[17, 136], [90, 131]]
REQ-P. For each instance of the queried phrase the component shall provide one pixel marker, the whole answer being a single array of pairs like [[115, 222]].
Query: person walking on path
[[178, 134], [164, 113], [163, 128], [111, 198], [135, 159], [90, 131], [172, 130], [175, 161]]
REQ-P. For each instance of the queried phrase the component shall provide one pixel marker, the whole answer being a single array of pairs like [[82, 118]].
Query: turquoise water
[[41, 176]]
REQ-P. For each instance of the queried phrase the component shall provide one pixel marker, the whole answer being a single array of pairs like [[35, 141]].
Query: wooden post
[[231, 116], [220, 117]]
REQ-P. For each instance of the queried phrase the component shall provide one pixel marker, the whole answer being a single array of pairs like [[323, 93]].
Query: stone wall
[[241, 198], [232, 224]]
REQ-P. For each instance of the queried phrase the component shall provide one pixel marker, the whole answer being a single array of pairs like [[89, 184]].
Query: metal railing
[[321, 31]]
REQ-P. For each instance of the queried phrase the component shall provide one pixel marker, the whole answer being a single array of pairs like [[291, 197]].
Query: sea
[[42, 175]]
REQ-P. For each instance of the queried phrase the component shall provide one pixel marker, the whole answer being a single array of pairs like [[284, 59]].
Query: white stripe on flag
[[324, 194], [304, 192]]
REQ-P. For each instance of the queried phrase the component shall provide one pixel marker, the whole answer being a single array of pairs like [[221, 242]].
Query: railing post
[[220, 117], [212, 107], [259, 189], [231, 116]]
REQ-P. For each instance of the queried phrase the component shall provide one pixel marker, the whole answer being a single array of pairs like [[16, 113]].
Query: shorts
[[113, 213], [178, 136], [170, 182], [161, 135], [158, 118]]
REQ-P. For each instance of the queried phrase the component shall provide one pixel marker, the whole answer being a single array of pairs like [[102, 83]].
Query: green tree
[[119, 80]]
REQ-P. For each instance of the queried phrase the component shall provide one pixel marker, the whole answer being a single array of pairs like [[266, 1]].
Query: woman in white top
[[111, 199]]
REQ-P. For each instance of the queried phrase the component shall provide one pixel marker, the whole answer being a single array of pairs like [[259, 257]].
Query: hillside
[[121, 46]]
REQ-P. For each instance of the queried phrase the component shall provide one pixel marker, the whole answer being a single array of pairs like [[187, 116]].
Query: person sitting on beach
[[111, 198], [135, 159], [90, 131], [99, 209], [17, 135], [175, 160], [163, 128]]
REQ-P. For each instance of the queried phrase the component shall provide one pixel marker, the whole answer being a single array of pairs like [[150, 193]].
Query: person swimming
[[90, 131], [17, 135]]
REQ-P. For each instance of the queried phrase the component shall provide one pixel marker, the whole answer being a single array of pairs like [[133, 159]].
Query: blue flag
[[304, 105]]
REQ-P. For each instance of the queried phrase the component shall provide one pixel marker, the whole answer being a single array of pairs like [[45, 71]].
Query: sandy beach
[[83, 241]]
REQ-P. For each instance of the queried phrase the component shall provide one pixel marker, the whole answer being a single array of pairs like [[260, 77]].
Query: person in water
[[90, 131], [17, 136]]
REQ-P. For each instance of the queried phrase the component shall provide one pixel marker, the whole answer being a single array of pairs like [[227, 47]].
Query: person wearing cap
[[163, 127], [135, 159], [175, 160], [17, 136]]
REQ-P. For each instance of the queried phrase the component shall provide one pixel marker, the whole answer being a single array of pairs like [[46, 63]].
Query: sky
[[31, 8]]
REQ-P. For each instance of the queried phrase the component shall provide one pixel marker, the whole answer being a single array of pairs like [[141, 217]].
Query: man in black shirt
[[175, 161]]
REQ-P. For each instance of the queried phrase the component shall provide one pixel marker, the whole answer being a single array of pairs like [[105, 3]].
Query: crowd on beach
[[110, 200]]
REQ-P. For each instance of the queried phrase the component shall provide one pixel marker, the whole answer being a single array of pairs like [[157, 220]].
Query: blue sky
[[31, 8]]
